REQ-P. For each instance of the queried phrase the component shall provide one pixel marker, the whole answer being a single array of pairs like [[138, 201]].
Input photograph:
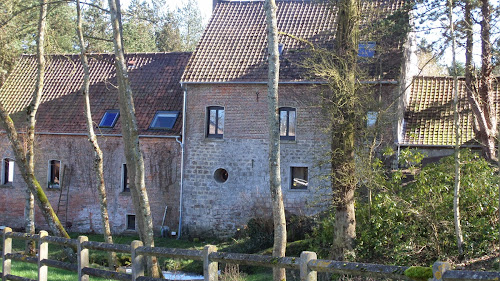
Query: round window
[[221, 175]]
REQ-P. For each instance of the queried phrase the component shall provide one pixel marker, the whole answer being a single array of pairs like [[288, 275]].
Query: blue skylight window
[[366, 49], [109, 119], [164, 120]]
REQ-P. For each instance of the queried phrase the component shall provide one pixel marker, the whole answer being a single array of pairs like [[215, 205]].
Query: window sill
[[298, 190], [288, 141], [126, 193], [213, 139], [54, 188], [7, 185]]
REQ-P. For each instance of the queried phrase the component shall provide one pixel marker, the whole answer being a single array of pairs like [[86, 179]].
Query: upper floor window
[[371, 118], [366, 49], [8, 171], [164, 120], [287, 123], [54, 174], [125, 182], [215, 122]]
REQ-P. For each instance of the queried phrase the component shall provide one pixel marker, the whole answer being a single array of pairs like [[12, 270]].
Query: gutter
[[435, 145], [390, 82], [101, 135], [181, 192]]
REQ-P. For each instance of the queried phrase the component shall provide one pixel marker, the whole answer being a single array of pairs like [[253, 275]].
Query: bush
[[413, 224]]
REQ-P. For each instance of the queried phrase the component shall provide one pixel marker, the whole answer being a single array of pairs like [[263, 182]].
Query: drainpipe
[[184, 88]]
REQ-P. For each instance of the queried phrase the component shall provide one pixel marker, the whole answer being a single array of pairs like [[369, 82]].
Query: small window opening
[[8, 171], [125, 180], [281, 47], [130, 222], [164, 120], [300, 177], [54, 174], [109, 119], [221, 175]]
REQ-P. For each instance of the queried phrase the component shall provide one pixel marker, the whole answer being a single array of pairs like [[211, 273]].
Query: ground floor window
[[8, 171], [54, 174], [130, 222], [300, 177]]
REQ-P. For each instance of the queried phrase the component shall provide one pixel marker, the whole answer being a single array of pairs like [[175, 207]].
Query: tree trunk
[[481, 98], [133, 154], [456, 194], [343, 179], [279, 246], [25, 158], [98, 158]]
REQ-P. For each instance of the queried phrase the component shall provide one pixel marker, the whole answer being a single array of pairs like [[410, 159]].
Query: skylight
[[164, 120], [109, 119], [367, 49]]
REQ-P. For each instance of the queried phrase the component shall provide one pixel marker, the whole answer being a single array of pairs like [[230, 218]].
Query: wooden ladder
[[63, 203]]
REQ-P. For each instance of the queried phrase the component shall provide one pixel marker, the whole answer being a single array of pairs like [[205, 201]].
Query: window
[[371, 118], [130, 222], [300, 178], [215, 122], [366, 49], [164, 120], [109, 119], [287, 123], [54, 173], [125, 182], [8, 171]]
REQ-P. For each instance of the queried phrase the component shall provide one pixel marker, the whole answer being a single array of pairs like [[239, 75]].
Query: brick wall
[[213, 208], [162, 165]]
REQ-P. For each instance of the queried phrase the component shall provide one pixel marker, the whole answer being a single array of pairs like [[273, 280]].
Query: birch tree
[[279, 221], [133, 154], [25, 157], [98, 157]]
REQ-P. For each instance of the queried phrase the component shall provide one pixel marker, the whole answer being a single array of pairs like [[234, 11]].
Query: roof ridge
[[109, 54]]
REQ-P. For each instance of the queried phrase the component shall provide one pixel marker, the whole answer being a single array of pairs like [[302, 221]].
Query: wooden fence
[[307, 263]]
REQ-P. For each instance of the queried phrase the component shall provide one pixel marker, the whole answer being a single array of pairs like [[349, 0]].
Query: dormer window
[[109, 119], [164, 120], [366, 49]]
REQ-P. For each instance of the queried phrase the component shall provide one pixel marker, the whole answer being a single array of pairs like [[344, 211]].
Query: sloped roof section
[[233, 47], [428, 118], [154, 79]]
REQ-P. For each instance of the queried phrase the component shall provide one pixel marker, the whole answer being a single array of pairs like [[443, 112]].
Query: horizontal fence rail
[[307, 264]]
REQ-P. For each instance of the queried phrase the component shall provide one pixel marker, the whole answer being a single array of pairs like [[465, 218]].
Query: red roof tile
[[234, 44], [154, 79], [428, 118]]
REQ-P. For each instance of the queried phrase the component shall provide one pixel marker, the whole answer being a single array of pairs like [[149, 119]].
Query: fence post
[[438, 270], [7, 249], [305, 273], [82, 258], [137, 260], [210, 269], [43, 253]]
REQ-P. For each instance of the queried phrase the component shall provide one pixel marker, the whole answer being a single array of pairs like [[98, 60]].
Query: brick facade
[[162, 165]]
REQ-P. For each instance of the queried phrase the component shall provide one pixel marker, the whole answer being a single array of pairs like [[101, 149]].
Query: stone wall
[[162, 165]]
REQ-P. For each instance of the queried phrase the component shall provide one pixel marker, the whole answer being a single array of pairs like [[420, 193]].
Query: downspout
[[179, 231]]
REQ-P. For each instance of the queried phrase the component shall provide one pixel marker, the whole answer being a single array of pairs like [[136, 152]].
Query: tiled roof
[[154, 79], [428, 118], [233, 47]]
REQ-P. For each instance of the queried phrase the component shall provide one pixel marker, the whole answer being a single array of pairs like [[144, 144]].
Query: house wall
[[162, 166], [219, 209]]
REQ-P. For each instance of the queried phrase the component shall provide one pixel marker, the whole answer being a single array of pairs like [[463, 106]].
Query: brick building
[[64, 164], [226, 178]]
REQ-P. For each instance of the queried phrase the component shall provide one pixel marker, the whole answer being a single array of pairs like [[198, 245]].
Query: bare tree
[[98, 158], [133, 154], [279, 220], [25, 158]]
